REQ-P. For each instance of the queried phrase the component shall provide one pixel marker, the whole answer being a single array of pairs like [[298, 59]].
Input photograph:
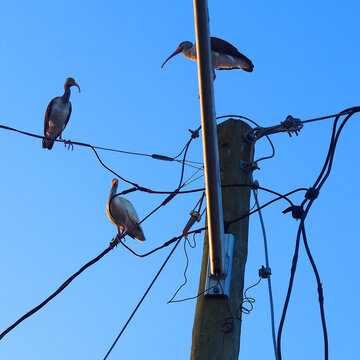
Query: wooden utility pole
[[209, 342]]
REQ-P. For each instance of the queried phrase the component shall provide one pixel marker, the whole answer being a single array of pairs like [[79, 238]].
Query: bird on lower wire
[[57, 116], [123, 214], [224, 55]]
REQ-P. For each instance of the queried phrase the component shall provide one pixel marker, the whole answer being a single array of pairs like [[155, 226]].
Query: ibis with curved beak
[[224, 55], [57, 116], [123, 214]]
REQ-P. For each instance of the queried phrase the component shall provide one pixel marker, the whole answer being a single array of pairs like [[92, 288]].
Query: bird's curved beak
[[177, 51], [75, 84]]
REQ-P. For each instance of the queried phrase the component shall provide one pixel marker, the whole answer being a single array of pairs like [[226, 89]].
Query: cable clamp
[[249, 166], [292, 124], [297, 211], [264, 272], [194, 216], [312, 193], [114, 242], [194, 133]]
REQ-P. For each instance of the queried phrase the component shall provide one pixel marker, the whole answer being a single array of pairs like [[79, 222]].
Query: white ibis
[[224, 55], [123, 215], [57, 116]]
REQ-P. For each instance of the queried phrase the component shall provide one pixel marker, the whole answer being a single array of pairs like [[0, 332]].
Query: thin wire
[[142, 299], [253, 122], [267, 264], [154, 156], [185, 270], [344, 112], [58, 291], [196, 296]]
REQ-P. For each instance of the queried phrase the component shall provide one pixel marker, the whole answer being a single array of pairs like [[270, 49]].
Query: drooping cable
[[58, 291], [267, 264], [310, 196], [142, 299]]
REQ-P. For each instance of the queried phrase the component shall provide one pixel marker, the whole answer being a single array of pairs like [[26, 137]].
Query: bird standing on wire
[[224, 55], [57, 116], [123, 214]]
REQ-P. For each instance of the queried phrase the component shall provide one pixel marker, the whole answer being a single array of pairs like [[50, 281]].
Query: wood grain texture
[[209, 342]]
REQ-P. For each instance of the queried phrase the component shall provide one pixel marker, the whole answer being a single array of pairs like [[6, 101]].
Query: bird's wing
[[67, 119], [222, 46], [132, 222], [46, 120]]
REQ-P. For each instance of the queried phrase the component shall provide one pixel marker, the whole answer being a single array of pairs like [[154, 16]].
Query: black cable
[[142, 299], [326, 169], [153, 156], [320, 292], [267, 264], [253, 122], [58, 291], [186, 241], [344, 112]]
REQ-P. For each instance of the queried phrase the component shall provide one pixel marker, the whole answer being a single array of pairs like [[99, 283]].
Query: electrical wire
[[153, 156], [310, 196], [253, 122], [267, 264], [58, 291], [142, 299]]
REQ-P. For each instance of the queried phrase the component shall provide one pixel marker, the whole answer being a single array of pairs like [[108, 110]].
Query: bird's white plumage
[[123, 215]]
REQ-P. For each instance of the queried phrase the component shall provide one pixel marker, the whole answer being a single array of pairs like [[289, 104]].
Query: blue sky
[[52, 211]]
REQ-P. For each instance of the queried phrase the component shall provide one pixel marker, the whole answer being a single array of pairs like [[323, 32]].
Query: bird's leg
[[120, 233], [68, 143], [214, 76]]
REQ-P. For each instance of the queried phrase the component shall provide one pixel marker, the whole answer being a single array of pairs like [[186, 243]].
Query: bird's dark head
[[71, 82], [185, 45]]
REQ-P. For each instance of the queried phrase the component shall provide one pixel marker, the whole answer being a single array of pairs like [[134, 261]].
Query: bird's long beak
[[75, 84], [177, 51]]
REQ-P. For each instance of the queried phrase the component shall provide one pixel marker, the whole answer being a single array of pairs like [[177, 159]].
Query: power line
[[142, 299], [299, 213], [267, 264]]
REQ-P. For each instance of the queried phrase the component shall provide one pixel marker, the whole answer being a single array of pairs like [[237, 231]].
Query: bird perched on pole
[[224, 55], [57, 116], [123, 214]]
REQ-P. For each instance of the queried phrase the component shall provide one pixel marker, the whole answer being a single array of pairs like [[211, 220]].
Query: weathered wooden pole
[[209, 341]]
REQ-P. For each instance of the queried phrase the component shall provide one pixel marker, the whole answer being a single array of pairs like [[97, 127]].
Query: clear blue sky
[[52, 210]]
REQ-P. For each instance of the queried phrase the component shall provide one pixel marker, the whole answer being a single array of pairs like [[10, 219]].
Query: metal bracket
[[249, 166], [290, 125], [220, 286]]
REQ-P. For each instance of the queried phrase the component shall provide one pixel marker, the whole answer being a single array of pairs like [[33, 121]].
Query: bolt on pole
[[210, 143]]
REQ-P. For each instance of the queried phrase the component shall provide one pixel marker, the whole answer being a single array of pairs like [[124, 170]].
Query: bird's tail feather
[[47, 144]]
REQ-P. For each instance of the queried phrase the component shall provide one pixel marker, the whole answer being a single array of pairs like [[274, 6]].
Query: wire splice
[[297, 211], [194, 216], [264, 272], [312, 193]]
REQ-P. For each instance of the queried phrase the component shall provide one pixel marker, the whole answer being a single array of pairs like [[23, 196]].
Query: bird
[[123, 214], [57, 116], [224, 55]]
